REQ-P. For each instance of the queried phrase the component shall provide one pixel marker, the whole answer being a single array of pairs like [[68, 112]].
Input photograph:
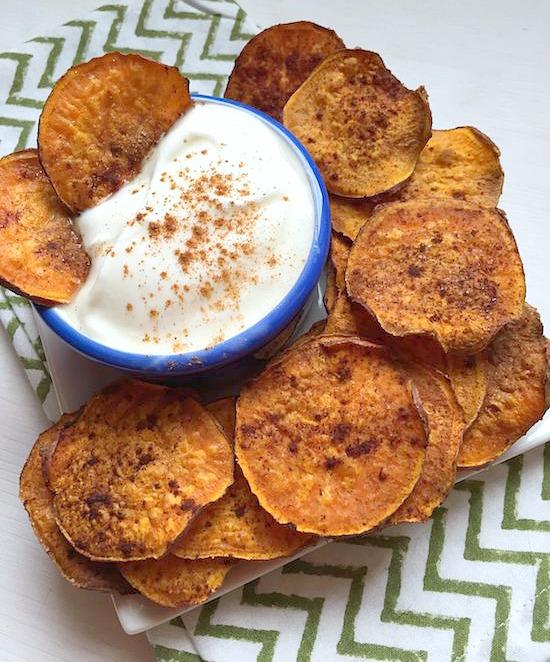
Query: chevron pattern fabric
[[472, 584]]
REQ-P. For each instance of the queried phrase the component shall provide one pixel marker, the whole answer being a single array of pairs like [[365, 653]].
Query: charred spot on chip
[[414, 271], [332, 462], [340, 432], [361, 448], [188, 504], [293, 447], [240, 510]]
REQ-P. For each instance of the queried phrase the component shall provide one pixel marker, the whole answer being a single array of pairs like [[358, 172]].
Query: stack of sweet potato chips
[[430, 359]]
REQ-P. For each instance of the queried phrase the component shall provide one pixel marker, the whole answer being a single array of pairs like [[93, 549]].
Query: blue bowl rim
[[250, 339]]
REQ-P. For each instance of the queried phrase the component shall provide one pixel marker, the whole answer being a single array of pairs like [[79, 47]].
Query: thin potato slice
[[364, 129], [460, 163], [468, 375], [348, 215], [100, 121], [516, 381], [449, 270], [273, 64], [329, 438], [173, 582], [38, 502], [41, 256], [135, 468], [446, 425], [236, 526]]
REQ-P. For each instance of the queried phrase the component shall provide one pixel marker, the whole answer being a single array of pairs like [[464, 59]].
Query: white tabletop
[[67, 624]]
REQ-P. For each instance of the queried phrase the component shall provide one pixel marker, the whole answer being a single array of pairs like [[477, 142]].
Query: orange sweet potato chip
[[41, 255], [100, 121], [364, 129], [38, 502], [449, 270], [329, 437], [446, 426], [134, 469], [276, 62], [173, 582], [348, 215], [460, 163], [468, 376], [236, 526], [516, 384]]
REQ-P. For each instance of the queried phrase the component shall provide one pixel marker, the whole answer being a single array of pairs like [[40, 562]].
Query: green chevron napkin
[[472, 584]]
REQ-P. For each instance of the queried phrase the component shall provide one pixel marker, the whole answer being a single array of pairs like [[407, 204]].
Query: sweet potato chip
[[173, 582], [135, 468], [329, 438], [236, 526], [446, 269], [100, 121], [468, 375], [42, 256], [339, 253], [364, 129], [446, 426], [515, 401], [273, 64], [331, 291], [460, 163], [348, 215], [350, 318], [38, 502]]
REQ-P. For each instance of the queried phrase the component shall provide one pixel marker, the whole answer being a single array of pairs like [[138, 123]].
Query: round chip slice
[[329, 438], [460, 163], [468, 375], [446, 425], [348, 215], [364, 129], [135, 468], [38, 502], [100, 121], [42, 256], [173, 582], [450, 270], [236, 526], [276, 62], [515, 401]]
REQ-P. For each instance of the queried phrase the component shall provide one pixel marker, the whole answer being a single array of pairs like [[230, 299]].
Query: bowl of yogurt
[[207, 255]]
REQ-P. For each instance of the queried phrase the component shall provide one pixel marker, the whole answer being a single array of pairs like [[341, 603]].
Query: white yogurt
[[202, 244]]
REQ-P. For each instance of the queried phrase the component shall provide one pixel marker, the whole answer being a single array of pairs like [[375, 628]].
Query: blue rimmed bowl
[[250, 341]]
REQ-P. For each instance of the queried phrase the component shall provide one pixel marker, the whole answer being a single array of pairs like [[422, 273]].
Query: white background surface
[[495, 56]]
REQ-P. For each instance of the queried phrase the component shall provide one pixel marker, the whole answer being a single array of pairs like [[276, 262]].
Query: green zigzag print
[[210, 624]]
